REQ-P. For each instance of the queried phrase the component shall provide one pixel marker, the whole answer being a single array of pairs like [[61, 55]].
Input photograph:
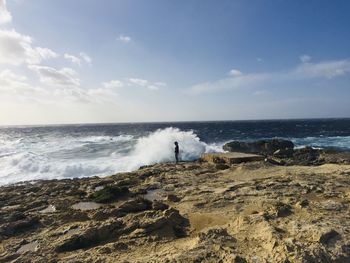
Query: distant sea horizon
[[176, 121]]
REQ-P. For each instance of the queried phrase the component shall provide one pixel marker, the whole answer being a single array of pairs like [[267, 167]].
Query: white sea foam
[[159, 147], [52, 156]]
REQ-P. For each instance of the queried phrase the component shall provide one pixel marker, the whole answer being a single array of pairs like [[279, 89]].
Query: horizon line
[[159, 122]]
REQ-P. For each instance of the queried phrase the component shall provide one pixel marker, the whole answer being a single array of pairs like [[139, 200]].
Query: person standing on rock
[[176, 152]]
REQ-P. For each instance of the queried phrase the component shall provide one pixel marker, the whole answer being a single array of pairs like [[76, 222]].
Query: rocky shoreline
[[290, 206]]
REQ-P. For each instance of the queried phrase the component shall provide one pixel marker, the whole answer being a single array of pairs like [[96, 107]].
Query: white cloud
[[231, 83], [102, 94], [86, 57], [16, 49], [305, 58], [78, 60], [326, 70], [235, 73], [145, 83], [45, 53], [10, 80], [113, 84], [15, 88], [73, 59], [5, 15], [139, 82], [125, 39], [259, 59], [52, 76]]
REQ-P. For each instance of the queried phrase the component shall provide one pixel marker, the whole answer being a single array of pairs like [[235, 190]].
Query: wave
[[54, 157], [158, 147], [340, 142]]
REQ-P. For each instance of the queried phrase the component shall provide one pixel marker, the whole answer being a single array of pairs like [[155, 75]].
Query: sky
[[90, 61]]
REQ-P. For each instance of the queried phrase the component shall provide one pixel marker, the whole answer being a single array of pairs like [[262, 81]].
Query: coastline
[[182, 213]]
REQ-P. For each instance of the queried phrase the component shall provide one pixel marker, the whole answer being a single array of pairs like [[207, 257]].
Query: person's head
[[175, 143]]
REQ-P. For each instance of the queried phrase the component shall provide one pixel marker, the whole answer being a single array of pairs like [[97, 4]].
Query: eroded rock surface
[[189, 212]]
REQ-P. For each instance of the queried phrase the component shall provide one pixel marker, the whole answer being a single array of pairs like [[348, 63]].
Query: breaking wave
[[52, 156]]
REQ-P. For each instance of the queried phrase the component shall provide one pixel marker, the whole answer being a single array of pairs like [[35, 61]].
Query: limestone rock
[[135, 205], [230, 158], [265, 147], [307, 156]]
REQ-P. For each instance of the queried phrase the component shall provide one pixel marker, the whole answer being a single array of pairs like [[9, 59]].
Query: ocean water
[[48, 152]]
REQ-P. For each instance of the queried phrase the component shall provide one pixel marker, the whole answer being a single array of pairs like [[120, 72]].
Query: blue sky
[[119, 61]]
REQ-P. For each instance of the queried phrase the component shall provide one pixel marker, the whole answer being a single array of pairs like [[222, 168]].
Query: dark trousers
[[177, 157]]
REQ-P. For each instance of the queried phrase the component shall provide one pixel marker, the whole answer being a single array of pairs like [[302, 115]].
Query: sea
[[30, 153]]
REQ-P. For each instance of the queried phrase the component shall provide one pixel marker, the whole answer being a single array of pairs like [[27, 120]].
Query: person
[[176, 152]]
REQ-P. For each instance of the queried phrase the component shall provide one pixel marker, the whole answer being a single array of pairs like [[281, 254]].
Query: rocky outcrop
[[282, 152], [263, 147]]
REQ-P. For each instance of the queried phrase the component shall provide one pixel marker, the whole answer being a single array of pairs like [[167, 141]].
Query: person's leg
[[177, 157]]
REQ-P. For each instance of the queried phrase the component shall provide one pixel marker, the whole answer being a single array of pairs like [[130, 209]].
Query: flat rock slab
[[231, 157]]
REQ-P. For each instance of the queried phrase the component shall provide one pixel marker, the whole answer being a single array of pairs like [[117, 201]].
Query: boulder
[[135, 205], [265, 147], [19, 226], [307, 156]]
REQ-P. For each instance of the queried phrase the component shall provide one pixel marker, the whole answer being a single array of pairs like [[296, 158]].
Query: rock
[[336, 156], [265, 147], [284, 153], [135, 205], [332, 205], [303, 203], [221, 166], [15, 216], [275, 161], [326, 236], [91, 237], [120, 246], [157, 205], [174, 217], [19, 226], [173, 198], [307, 156], [279, 210], [230, 158], [109, 194]]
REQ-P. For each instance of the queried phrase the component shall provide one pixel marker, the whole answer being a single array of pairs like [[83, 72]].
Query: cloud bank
[[16, 49]]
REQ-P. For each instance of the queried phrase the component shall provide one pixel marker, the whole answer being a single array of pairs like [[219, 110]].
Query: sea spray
[[159, 147], [69, 156]]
